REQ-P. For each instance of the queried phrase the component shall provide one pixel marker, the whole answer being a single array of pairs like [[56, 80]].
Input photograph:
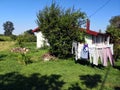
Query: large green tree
[[61, 27], [8, 27], [114, 30]]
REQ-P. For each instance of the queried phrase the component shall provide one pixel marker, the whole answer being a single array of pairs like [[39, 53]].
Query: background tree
[[8, 27], [29, 32], [61, 27], [114, 30]]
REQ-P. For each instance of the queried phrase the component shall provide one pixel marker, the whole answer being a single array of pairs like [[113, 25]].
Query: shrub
[[61, 28], [26, 59], [26, 38], [13, 37]]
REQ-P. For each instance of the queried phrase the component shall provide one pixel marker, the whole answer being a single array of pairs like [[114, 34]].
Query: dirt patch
[[19, 50], [48, 57]]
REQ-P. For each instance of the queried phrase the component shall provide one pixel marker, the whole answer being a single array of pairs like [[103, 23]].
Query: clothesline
[[93, 52]]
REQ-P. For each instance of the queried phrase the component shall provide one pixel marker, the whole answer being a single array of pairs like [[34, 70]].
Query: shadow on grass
[[116, 67], [117, 88], [86, 62], [16, 81], [91, 81], [83, 62], [75, 87]]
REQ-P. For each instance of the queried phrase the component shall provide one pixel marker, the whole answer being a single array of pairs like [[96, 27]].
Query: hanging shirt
[[84, 52]]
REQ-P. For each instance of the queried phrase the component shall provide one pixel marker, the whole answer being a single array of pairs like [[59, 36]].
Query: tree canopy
[[29, 32], [61, 27], [8, 27], [114, 30]]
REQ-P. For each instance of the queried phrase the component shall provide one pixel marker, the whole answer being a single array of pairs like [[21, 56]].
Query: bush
[[26, 38], [61, 27], [117, 51], [13, 37], [26, 59]]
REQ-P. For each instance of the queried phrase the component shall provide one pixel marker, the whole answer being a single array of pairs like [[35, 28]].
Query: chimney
[[88, 25]]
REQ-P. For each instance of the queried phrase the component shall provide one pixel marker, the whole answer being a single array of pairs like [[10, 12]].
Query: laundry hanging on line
[[93, 53]]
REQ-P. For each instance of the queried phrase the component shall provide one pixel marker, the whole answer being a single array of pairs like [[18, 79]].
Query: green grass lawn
[[53, 75]]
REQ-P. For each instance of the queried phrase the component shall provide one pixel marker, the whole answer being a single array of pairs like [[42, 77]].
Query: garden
[[59, 74]]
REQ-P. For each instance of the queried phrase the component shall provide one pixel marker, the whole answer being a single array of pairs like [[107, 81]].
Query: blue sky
[[23, 12]]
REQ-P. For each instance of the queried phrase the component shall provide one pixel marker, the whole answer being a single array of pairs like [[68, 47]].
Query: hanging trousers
[[99, 53], [93, 55], [79, 51], [75, 49], [107, 54]]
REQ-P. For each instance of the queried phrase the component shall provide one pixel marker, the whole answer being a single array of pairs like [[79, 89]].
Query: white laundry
[[79, 50], [75, 49], [84, 52], [96, 52], [92, 54]]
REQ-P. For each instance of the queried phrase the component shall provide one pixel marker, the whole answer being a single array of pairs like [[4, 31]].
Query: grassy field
[[53, 75]]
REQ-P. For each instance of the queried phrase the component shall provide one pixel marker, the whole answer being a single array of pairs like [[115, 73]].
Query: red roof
[[88, 31], [36, 29], [92, 32]]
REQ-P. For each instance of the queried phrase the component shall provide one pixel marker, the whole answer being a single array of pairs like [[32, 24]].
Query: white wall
[[100, 39], [41, 41]]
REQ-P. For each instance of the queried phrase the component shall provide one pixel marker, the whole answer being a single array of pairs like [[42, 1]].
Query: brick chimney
[[88, 25]]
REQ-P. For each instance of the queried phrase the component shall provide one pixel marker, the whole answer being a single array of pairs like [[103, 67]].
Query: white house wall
[[100, 39], [41, 41]]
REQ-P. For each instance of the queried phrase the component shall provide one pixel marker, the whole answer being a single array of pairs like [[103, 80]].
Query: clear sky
[[23, 12]]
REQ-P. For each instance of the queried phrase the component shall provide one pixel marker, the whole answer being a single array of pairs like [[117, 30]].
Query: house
[[91, 37], [97, 46], [41, 41], [97, 38]]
